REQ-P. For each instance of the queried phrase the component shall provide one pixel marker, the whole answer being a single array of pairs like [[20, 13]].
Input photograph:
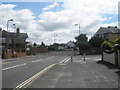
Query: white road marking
[[37, 60], [50, 57], [33, 78], [14, 66], [67, 60], [6, 62], [63, 60]]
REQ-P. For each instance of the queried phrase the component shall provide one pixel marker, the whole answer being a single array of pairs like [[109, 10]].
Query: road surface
[[17, 71]]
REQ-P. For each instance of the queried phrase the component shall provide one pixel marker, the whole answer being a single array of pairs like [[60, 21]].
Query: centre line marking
[[37, 61], [50, 57], [33, 78], [14, 66]]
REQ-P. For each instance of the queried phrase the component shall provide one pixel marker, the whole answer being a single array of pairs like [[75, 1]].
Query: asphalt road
[[16, 71]]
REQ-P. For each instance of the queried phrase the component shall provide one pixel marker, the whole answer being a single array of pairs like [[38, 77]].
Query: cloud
[[55, 4], [88, 13]]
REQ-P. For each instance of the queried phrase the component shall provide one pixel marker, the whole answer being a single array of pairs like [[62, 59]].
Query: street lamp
[[54, 38], [7, 33], [8, 23], [79, 27]]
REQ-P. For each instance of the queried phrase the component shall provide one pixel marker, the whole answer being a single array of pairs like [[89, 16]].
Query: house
[[70, 44], [108, 33], [13, 43], [62, 46]]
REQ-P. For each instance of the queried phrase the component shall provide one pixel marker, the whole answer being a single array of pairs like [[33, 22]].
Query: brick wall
[[11, 55], [37, 50]]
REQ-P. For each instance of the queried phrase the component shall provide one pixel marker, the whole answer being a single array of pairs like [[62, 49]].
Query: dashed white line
[[50, 57], [67, 60], [64, 61], [14, 66], [37, 61]]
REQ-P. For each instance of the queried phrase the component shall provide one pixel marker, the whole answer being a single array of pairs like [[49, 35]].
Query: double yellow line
[[33, 78]]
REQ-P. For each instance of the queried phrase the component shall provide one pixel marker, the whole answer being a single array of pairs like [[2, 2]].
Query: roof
[[11, 34], [109, 29]]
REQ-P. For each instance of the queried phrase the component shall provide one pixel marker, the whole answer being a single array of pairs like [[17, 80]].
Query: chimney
[[0, 29], [18, 31]]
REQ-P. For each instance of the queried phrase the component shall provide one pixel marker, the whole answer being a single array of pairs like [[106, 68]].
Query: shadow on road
[[109, 65]]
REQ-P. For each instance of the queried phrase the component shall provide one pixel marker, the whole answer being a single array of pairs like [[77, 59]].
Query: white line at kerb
[[14, 66]]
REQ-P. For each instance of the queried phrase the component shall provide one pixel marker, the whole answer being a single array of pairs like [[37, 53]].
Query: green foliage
[[82, 41], [83, 45], [117, 41], [51, 47], [82, 37], [107, 46], [95, 41]]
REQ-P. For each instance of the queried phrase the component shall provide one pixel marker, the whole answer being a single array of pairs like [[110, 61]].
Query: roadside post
[[84, 56], [118, 54], [117, 47], [71, 58]]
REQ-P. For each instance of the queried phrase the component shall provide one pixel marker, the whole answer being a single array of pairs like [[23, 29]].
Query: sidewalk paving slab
[[78, 74]]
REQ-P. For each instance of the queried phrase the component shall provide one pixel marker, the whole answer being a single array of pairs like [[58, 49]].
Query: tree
[[42, 45], [82, 42], [95, 41], [82, 37]]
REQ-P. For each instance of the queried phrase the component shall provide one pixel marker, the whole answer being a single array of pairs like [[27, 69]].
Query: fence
[[12, 55], [109, 58]]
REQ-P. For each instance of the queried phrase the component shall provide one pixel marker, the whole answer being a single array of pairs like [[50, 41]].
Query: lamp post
[[7, 33], [8, 23], [54, 38], [79, 27]]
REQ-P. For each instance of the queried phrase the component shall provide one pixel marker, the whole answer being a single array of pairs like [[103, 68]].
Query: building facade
[[13, 43], [108, 33]]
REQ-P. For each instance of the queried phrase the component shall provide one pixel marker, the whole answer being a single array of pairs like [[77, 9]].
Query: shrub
[[117, 41], [106, 45]]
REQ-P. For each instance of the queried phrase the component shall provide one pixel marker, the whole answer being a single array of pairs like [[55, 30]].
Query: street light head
[[76, 24], [11, 20]]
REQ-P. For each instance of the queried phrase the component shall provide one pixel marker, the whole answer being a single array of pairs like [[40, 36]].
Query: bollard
[[118, 52], [84, 56], [71, 58]]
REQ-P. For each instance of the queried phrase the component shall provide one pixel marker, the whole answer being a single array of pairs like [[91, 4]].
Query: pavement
[[91, 73]]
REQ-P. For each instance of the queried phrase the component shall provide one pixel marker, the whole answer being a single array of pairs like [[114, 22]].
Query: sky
[[45, 21]]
